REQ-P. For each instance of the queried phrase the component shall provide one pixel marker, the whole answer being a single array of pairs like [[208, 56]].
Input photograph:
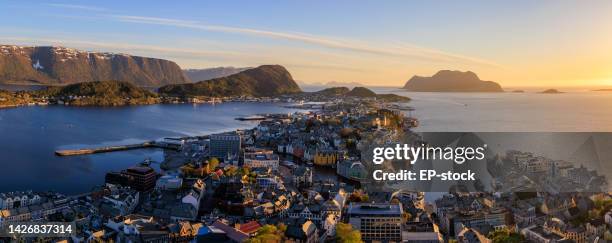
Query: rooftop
[[374, 209]]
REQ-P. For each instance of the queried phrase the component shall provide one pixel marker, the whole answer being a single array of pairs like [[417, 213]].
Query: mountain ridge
[[262, 81], [56, 65]]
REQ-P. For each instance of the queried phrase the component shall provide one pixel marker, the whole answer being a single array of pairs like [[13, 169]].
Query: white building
[[125, 201], [194, 197], [608, 219], [261, 159], [18, 199]]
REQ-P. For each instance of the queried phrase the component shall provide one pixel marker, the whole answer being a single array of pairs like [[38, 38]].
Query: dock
[[71, 152]]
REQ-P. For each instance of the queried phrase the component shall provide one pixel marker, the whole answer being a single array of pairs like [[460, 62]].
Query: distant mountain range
[[262, 81], [451, 81], [48, 65], [210, 73]]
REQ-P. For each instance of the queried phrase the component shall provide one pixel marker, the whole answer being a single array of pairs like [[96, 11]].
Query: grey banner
[[510, 162]]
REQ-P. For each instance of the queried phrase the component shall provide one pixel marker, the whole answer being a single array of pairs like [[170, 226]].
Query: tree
[[505, 236], [231, 171], [406, 216], [346, 234], [212, 165], [358, 196], [268, 234]]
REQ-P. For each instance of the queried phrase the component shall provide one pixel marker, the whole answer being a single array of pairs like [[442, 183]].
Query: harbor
[[73, 152]]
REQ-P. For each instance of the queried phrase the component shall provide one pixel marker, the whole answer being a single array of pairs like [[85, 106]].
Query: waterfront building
[[18, 199], [302, 176], [352, 170], [326, 158], [261, 159], [225, 145], [34, 212], [173, 143], [144, 177], [141, 178], [377, 221]]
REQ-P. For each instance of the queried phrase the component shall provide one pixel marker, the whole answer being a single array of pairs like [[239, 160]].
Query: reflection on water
[[29, 137]]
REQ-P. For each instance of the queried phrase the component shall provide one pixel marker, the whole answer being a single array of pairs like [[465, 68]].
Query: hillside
[[451, 81], [357, 92], [60, 66], [334, 91], [262, 81], [101, 93], [211, 73], [361, 92]]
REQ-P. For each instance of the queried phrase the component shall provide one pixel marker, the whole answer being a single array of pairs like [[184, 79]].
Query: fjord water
[[574, 111], [30, 135]]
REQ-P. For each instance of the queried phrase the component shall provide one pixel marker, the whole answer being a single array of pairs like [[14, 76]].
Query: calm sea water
[[573, 111], [30, 135]]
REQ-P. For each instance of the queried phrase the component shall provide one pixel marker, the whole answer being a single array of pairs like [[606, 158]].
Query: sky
[[377, 43]]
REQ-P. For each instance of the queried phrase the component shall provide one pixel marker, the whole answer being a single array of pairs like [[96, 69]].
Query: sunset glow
[[515, 43]]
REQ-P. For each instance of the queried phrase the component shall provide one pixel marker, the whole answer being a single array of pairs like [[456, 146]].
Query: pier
[[71, 152]]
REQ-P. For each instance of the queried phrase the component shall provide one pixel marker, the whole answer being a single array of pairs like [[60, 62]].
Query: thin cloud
[[187, 53], [77, 7], [405, 51], [123, 46]]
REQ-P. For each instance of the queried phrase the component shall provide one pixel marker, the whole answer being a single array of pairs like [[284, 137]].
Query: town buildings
[[377, 221], [261, 159], [141, 178], [225, 145]]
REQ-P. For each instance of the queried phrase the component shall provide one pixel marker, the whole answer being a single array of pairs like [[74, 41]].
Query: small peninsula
[[451, 81]]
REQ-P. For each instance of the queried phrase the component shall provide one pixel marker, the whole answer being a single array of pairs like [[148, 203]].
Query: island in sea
[[362, 93], [451, 81], [551, 91]]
